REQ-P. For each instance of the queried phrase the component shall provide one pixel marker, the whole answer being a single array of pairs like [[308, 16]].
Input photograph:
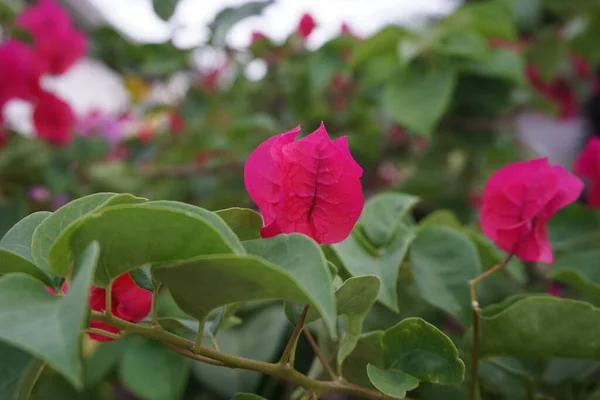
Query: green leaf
[[143, 277], [441, 218], [260, 337], [391, 382], [443, 260], [152, 371], [244, 222], [383, 214], [419, 96], [216, 221], [573, 227], [164, 8], [246, 396], [322, 66], [291, 267], [62, 223], [548, 53], [45, 325], [228, 17], [491, 18], [383, 42], [367, 351], [16, 370], [385, 263], [466, 44], [104, 359], [541, 326], [561, 370], [135, 235], [501, 63], [11, 263], [501, 376], [419, 349], [581, 271], [18, 239]]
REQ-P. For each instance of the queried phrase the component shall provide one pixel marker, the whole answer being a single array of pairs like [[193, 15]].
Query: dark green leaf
[[18, 239], [581, 271], [244, 222], [548, 53], [420, 349], [11, 263], [142, 277], [561, 370], [467, 44], [292, 267], [227, 18], [62, 223], [246, 396], [391, 382], [104, 358], [164, 8], [381, 43], [153, 371], [383, 214], [418, 97], [135, 235], [443, 260], [15, 364], [541, 326], [45, 325], [501, 63]]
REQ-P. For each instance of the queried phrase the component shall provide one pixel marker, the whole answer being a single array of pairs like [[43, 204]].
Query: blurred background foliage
[[430, 110]]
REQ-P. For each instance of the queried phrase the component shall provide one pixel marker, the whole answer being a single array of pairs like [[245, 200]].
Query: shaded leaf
[[501, 63], [382, 42], [104, 359], [45, 325], [228, 17], [18, 239], [419, 349], [391, 382], [581, 271], [246, 396], [244, 222], [11, 263], [142, 277], [14, 364], [164, 8], [62, 223]]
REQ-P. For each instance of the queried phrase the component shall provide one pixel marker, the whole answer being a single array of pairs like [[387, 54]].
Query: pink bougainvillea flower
[[518, 201], [53, 119], [257, 36], [556, 289], [176, 122], [128, 302], [310, 186], [20, 71], [587, 165], [56, 39], [306, 25], [557, 91]]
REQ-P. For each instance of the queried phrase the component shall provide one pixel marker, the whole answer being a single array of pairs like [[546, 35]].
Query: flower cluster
[[56, 46]]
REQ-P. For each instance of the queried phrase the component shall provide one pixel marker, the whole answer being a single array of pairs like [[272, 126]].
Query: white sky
[[136, 18]]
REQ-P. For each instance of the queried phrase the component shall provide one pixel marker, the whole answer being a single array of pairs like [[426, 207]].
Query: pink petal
[[262, 176], [342, 144], [587, 163], [593, 195], [569, 190], [321, 193], [133, 302], [270, 230]]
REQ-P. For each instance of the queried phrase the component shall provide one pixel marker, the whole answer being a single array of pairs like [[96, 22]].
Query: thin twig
[[108, 299], [114, 336], [154, 307], [291, 344], [193, 356], [319, 354], [475, 307]]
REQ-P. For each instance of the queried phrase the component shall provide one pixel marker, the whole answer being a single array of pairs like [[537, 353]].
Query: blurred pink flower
[[39, 193], [587, 165], [53, 119], [306, 25], [20, 71]]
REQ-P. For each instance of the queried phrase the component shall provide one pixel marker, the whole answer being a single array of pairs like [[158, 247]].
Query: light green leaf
[[228, 17], [367, 351], [152, 371], [419, 96], [135, 235], [491, 18], [18, 239], [467, 44], [244, 222], [216, 221], [391, 382], [11, 263], [383, 214], [45, 325], [292, 268], [541, 326], [420, 349], [62, 223], [441, 218], [501, 63], [580, 270], [260, 337], [385, 263], [383, 42], [164, 8], [443, 260]]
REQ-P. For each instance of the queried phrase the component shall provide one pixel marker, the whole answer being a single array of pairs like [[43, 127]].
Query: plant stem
[[193, 356], [114, 336], [291, 344], [473, 393], [199, 337], [228, 360], [319, 354], [154, 306], [108, 299]]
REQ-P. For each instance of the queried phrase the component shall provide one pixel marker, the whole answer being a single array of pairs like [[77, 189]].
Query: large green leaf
[[62, 223], [19, 238], [383, 214], [244, 222], [391, 382], [164, 8], [581, 270], [215, 220], [45, 325], [464, 44], [418, 348], [492, 18], [16, 366], [135, 235], [501, 63], [260, 337], [541, 326], [574, 226], [230, 16], [103, 360], [367, 351], [291, 267], [443, 260], [11, 262], [383, 42], [384, 262], [152, 371], [419, 96]]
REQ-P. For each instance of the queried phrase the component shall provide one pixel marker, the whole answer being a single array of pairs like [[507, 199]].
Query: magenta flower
[[518, 201], [587, 165], [306, 25], [39, 193], [310, 186], [20, 71], [53, 119]]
